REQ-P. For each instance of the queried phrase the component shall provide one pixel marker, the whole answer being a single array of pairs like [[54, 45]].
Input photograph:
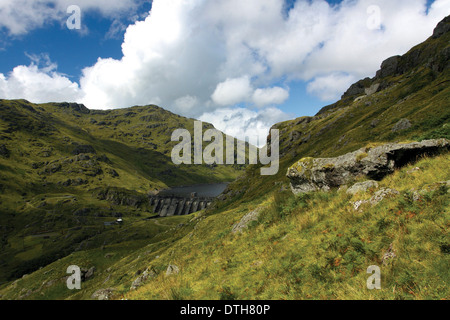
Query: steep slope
[[406, 101], [312, 246], [64, 166]]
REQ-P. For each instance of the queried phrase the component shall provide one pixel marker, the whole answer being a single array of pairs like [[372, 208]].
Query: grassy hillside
[[315, 246], [65, 169], [419, 95]]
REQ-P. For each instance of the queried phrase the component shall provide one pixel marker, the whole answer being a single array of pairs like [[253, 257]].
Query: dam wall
[[169, 205]]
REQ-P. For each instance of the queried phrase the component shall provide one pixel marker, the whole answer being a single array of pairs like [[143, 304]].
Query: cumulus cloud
[[270, 96], [232, 91], [202, 58], [245, 124], [21, 16], [330, 86], [223, 56], [39, 82]]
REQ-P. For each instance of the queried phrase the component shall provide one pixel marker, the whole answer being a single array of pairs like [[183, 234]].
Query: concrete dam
[[167, 206], [186, 199]]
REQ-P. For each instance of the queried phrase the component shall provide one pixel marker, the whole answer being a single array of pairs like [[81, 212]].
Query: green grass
[[132, 158], [312, 246], [318, 247]]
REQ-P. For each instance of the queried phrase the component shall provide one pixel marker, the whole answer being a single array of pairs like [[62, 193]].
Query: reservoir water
[[202, 190]]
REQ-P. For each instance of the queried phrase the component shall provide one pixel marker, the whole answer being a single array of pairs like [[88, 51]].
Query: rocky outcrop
[[432, 56], [401, 125], [147, 274], [83, 149], [389, 67], [442, 28], [311, 174], [357, 88], [103, 294], [245, 221], [379, 196], [81, 108], [123, 197]]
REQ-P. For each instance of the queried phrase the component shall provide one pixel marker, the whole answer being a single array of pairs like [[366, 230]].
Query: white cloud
[[21, 16], [186, 103], [232, 91], [270, 96], [38, 84], [330, 86], [223, 56], [246, 124], [202, 57]]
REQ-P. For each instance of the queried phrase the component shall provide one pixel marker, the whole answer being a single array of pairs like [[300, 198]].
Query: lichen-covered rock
[[362, 186], [313, 174], [380, 195], [245, 221], [103, 294]]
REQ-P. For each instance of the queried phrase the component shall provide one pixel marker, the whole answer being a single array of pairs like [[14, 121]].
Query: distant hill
[[58, 160], [258, 240]]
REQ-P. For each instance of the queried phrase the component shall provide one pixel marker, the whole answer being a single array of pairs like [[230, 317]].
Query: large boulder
[[313, 174]]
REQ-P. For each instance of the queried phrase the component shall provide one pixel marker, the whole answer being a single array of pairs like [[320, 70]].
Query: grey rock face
[[403, 124], [310, 174], [389, 67], [442, 27], [357, 88], [372, 89]]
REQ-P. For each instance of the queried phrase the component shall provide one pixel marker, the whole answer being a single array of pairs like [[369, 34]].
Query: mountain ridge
[[311, 246]]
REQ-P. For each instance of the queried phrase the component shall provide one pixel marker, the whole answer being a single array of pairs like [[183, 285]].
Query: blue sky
[[241, 65]]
